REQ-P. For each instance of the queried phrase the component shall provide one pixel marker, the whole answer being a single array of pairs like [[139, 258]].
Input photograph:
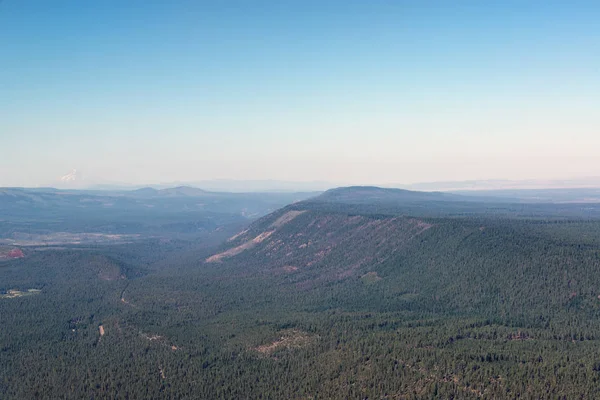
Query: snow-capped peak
[[70, 177]]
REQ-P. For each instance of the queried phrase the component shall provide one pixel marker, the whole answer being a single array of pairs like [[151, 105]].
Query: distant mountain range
[[503, 184], [15, 202], [74, 179]]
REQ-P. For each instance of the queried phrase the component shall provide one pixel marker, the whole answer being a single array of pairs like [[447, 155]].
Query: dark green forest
[[346, 296]]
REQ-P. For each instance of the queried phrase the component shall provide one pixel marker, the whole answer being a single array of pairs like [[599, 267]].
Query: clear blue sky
[[344, 91]]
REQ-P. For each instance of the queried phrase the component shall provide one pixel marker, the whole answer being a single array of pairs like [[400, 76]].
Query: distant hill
[[371, 194], [179, 191], [374, 200], [183, 191]]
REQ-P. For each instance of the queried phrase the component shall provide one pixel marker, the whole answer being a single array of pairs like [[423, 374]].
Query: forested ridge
[[323, 299]]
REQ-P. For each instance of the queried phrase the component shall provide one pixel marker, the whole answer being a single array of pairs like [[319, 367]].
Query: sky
[[362, 92]]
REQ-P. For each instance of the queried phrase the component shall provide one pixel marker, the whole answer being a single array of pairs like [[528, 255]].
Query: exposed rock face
[[11, 253], [16, 253]]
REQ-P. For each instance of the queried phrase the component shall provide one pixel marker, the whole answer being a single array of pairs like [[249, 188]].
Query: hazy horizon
[[75, 180], [342, 92]]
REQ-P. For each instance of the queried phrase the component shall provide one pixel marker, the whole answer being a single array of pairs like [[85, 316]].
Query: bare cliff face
[[9, 253]]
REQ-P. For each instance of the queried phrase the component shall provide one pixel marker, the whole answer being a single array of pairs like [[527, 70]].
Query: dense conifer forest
[[353, 295]]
